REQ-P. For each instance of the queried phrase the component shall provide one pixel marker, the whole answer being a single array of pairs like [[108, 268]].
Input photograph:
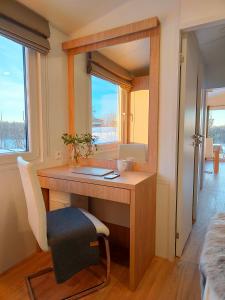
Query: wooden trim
[[140, 83], [154, 100], [129, 118], [110, 34], [216, 161], [207, 122], [112, 42], [71, 99], [216, 107]]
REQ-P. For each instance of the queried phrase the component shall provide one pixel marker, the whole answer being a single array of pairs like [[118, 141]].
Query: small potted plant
[[80, 146]]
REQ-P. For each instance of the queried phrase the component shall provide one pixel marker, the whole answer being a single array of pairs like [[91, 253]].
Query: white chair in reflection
[[137, 151]]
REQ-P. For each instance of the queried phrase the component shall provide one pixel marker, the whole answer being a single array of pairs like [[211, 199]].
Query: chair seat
[[99, 226]]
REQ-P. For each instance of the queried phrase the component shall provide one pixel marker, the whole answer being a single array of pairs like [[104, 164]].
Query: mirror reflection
[[112, 99]]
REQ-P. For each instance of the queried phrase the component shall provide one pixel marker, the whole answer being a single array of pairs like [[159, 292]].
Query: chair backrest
[[136, 151], [34, 201]]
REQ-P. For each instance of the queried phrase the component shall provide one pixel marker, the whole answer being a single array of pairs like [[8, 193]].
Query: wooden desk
[[135, 189]]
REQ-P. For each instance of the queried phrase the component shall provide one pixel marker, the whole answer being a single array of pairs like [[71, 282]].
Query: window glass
[[105, 110], [216, 128], [13, 111]]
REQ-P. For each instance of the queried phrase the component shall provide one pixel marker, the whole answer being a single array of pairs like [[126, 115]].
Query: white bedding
[[209, 294]]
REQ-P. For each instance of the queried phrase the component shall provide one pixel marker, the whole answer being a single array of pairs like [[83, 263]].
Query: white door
[[199, 147], [186, 153]]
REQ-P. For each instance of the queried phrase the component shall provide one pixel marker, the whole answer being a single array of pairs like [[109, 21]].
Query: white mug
[[122, 165]]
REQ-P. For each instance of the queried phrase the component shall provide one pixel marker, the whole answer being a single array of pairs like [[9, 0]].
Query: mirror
[[112, 99]]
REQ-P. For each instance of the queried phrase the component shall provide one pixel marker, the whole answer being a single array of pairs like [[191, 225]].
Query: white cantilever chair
[[37, 218]]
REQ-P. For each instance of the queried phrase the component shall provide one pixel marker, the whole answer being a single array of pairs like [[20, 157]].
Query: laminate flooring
[[163, 280]]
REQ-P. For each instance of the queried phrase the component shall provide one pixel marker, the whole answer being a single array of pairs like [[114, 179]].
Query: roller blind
[[24, 26], [101, 66]]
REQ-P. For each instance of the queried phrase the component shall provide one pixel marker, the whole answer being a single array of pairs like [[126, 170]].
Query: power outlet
[[58, 155]]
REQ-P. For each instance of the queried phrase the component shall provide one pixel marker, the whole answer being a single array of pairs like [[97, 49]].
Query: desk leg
[[216, 161], [142, 229]]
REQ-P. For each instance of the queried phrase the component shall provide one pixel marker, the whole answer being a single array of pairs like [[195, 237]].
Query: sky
[[219, 117], [104, 94], [12, 105]]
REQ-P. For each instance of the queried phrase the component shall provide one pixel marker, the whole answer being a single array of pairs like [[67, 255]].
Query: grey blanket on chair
[[70, 237]]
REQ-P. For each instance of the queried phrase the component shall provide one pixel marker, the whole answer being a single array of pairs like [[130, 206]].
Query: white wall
[[82, 87], [196, 13], [16, 239], [168, 13], [54, 94], [174, 15], [15, 236], [215, 76]]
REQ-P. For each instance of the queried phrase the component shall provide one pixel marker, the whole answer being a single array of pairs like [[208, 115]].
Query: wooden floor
[[163, 281]]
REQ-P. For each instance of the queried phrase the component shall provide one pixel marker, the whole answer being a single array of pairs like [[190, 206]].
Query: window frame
[[32, 82]]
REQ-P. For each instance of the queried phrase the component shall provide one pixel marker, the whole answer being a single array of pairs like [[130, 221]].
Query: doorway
[[201, 133], [215, 132]]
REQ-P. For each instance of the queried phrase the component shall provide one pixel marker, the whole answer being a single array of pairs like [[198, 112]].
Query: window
[[13, 98], [105, 111], [216, 127]]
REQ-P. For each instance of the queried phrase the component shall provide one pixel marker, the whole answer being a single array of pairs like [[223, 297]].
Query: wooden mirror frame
[[148, 28]]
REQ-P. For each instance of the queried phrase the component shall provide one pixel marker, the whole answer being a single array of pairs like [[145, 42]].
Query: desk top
[[127, 180]]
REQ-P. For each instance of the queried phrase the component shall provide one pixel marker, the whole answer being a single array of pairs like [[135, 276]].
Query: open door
[[199, 143], [188, 140]]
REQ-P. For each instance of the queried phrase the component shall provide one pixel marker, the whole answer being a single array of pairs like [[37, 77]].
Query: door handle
[[197, 140], [197, 136], [196, 143]]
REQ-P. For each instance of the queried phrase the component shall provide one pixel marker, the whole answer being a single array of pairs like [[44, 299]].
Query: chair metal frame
[[82, 293]]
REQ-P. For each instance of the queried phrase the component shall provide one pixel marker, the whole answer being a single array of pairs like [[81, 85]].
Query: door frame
[[191, 27], [180, 131]]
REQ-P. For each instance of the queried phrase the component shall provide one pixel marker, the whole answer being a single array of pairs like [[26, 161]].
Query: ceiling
[[71, 15], [212, 44], [133, 56], [215, 92]]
